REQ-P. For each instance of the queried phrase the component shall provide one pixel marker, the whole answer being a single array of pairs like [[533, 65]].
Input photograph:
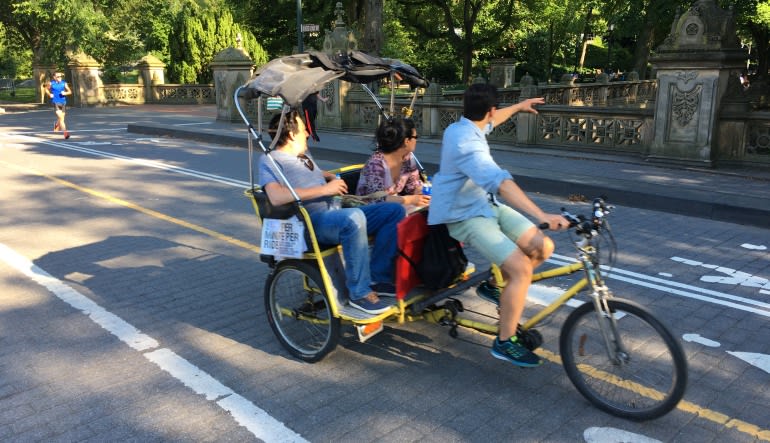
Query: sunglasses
[[306, 161], [413, 136]]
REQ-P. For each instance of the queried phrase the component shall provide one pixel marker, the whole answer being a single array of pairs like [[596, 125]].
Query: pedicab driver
[[367, 279], [464, 198]]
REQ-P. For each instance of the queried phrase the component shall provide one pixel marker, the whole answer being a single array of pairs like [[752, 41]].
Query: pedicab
[[617, 354]]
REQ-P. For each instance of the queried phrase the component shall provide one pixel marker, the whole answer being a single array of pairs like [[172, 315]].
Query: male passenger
[[367, 279]]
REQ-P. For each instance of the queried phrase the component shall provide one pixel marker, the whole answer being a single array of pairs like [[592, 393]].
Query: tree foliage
[[198, 34]]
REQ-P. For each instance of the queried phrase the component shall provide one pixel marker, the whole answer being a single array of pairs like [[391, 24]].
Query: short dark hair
[[289, 126], [392, 132], [478, 99]]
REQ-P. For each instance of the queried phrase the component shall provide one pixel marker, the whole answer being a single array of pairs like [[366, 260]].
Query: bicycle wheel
[[298, 310], [647, 374]]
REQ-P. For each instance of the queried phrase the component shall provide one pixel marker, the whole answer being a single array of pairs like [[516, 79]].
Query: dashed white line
[[245, 413]]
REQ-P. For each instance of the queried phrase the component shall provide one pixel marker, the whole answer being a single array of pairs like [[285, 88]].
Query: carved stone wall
[[694, 66]]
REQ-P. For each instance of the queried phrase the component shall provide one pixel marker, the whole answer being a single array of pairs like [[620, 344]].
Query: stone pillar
[[502, 72], [431, 112], [232, 68], [150, 74], [86, 84], [693, 67], [336, 113], [526, 123], [42, 75]]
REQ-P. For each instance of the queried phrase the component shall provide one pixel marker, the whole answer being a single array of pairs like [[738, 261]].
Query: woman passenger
[[391, 168]]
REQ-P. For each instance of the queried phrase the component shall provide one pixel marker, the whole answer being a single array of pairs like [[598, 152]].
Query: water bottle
[[336, 202], [426, 187]]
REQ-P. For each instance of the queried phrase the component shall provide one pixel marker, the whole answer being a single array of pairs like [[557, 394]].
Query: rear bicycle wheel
[[642, 377], [299, 312]]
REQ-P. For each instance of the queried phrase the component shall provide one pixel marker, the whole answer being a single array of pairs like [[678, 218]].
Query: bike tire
[[299, 310], [645, 383]]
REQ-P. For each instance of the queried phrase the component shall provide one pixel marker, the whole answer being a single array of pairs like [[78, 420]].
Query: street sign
[[310, 27]]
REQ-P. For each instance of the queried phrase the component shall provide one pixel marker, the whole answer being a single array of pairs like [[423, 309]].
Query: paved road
[[131, 309]]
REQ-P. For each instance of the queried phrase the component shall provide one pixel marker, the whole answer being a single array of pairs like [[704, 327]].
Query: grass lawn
[[23, 95]]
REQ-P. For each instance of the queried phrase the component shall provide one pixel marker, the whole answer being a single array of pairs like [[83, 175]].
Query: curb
[[710, 205]]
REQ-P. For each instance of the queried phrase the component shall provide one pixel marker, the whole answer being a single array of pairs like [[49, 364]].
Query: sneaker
[[370, 307], [56, 126], [384, 289], [488, 292], [66, 135], [514, 352]]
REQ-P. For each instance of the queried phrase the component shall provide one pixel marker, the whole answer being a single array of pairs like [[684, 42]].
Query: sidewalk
[[733, 195]]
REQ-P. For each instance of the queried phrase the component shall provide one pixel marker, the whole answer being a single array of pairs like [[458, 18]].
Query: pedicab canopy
[[294, 77]]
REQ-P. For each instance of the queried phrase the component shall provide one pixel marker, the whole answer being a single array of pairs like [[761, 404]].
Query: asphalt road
[[131, 309]]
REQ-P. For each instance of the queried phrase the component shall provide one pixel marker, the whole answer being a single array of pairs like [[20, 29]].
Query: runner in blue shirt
[[57, 91]]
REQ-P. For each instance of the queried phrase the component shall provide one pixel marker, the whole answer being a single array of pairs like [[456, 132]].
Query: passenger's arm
[[280, 194]]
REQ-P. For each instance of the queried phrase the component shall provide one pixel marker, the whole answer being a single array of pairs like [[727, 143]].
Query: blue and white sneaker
[[370, 307], [514, 352]]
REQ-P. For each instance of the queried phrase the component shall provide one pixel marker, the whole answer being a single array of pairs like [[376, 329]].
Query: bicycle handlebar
[[585, 226]]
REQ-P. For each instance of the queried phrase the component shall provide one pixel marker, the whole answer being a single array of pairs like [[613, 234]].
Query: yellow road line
[[128, 204], [686, 406]]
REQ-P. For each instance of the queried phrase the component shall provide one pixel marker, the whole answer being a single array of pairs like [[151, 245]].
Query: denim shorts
[[495, 238]]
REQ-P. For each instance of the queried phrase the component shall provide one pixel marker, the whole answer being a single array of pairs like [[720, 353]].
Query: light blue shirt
[[467, 174]]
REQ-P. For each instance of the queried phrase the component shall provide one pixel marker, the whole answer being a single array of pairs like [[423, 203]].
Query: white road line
[[71, 132], [676, 288], [245, 413], [668, 286], [762, 361], [148, 163], [697, 338], [612, 435]]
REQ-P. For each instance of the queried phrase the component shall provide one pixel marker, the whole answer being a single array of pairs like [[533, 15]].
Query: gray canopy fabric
[[296, 76]]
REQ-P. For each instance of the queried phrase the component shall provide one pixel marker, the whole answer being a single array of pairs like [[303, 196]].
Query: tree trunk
[[642, 51], [372, 24]]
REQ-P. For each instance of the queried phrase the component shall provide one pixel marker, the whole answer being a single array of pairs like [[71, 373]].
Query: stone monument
[[86, 84], [694, 66], [340, 40], [231, 68]]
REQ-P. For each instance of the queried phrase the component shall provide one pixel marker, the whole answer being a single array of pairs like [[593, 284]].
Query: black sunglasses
[[413, 136], [306, 161]]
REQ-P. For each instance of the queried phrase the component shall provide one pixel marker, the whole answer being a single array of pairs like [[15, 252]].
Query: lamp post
[[609, 46], [299, 26]]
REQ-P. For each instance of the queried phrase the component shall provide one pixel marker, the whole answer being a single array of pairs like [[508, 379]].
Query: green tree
[[466, 26], [53, 28], [753, 20], [199, 32]]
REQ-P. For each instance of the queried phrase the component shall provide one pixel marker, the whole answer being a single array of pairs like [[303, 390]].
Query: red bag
[[412, 231]]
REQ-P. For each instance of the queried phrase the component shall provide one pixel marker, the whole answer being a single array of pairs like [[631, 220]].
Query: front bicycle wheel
[[643, 374], [299, 312]]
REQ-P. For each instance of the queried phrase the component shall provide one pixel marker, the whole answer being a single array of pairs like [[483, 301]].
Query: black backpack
[[443, 260]]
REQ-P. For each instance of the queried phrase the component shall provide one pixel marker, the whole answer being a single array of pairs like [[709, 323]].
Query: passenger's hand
[[417, 200], [336, 187], [555, 222]]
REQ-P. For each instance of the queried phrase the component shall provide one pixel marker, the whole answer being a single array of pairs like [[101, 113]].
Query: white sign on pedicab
[[283, 238]]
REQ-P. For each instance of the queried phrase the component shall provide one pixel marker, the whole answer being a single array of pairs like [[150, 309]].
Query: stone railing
[[614, 117], [123, 94], [184, 94], [134, 94]]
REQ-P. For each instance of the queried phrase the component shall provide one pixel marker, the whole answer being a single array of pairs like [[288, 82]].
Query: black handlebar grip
[[543, 226]]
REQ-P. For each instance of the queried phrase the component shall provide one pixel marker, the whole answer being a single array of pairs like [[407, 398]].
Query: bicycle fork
[[600, 296]]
